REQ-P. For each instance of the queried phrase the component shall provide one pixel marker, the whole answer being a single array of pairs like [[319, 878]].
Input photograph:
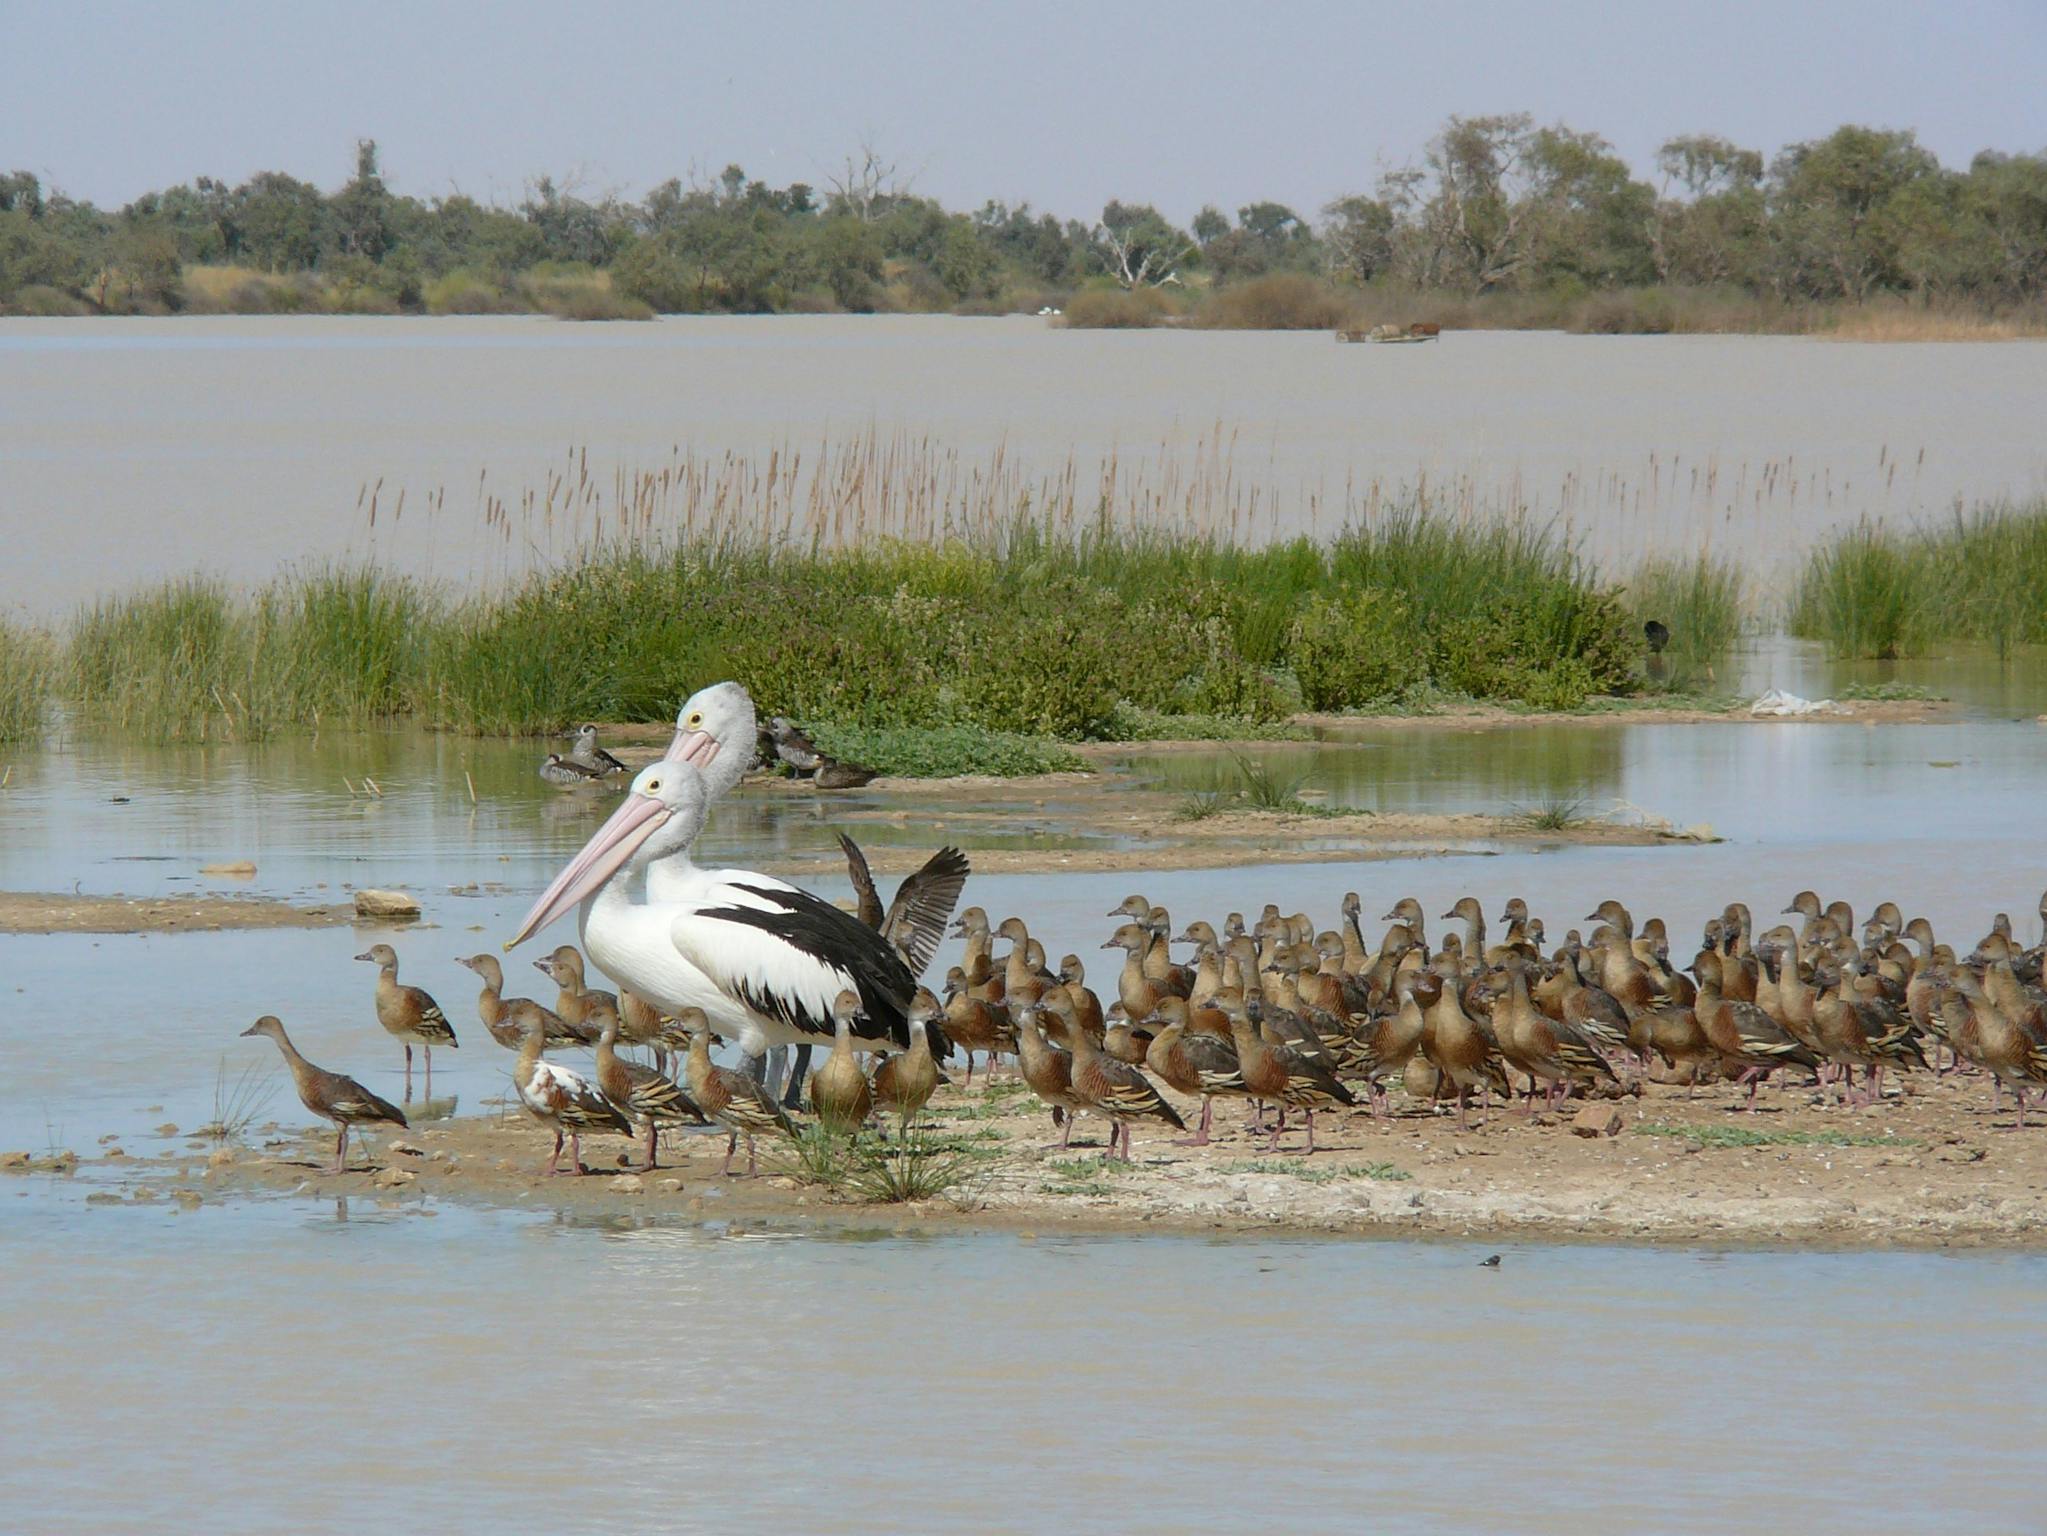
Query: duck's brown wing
[[917, 918], [347, 1100], [864, 893]]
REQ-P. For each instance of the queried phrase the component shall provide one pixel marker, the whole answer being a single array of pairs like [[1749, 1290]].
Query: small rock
[[103, 1197], [167, 1129], [60, 1162], [1598, 1120], [16, 1159], [241, 869], [369, 903], [114, 1154], [221, 1157], [143, 1194], [394, 1178], [406, 1149], [188, 1199], [669, 1186], [629, 1184]]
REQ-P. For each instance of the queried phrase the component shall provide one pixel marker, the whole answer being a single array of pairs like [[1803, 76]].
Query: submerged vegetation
[[1498, 221], [1884, 593]]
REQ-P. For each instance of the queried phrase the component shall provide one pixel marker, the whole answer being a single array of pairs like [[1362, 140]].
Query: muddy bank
[[1937, 1168], [53, 912]]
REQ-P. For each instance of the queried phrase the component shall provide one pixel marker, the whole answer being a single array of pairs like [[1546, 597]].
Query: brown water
[[289, 1362], [136, 447], [310, 1366]]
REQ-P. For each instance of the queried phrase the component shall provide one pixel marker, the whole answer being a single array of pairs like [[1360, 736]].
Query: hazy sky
[[1062, 104]]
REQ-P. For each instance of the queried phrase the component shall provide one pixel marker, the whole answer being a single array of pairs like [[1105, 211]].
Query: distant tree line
[[1493, 204]]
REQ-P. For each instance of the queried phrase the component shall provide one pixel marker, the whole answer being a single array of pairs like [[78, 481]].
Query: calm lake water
[[290, 1364], [129, 448]]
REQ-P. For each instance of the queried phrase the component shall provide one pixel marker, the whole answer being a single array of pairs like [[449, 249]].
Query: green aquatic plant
[[28, 665]]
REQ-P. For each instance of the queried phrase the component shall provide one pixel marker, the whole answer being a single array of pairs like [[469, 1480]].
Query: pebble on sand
[[1598, 1120]]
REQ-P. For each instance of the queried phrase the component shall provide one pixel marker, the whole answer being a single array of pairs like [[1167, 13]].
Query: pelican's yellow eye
[[653, 783], [696, 719]]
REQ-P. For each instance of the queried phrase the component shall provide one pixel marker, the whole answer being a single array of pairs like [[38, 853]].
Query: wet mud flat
[[1936, 1167]]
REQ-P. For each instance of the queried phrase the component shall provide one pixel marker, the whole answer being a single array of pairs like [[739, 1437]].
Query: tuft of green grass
[[918, 1164], [1266, 789], [1745, 1136], [1556, 814], [1202, 805]]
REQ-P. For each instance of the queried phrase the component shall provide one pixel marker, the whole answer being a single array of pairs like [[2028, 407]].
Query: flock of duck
[[1274, 1011]]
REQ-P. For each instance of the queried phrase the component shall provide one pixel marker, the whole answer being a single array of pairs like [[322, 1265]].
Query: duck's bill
[[602, 857], [697, 747]]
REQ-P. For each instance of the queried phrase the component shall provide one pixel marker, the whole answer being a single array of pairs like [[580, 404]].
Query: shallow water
[[274, 1360], [1940, 817], [288, 1364], [136, 447]]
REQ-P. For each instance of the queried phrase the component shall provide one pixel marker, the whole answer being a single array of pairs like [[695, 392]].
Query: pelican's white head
[[662, 814], [715, 732]]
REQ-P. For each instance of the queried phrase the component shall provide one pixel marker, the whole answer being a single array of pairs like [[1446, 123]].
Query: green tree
[[1826, 197]]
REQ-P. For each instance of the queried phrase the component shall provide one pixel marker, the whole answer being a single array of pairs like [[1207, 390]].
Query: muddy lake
[[274, 1354]]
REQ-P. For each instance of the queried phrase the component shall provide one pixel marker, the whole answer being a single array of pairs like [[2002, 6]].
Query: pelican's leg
[[799, 1068]]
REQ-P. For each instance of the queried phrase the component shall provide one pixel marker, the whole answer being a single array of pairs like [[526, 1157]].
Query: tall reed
[[1702, 600], [27, 676]]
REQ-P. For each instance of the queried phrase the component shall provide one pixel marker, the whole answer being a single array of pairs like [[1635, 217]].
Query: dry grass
[[1896, 322]]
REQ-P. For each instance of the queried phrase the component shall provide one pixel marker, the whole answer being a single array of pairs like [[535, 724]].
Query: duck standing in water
[[585, 753], [329, 1095], [409, 1013]]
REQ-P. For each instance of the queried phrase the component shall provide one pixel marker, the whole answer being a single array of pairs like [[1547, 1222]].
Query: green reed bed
[[1880, 592], [974, 649], [27, 676]]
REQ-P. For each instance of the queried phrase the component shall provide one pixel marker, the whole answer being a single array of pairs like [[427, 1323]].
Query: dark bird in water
[[1657, 633], [1490, 1262], [834, 774], [567, 773], [329, 1095], [792, 746]]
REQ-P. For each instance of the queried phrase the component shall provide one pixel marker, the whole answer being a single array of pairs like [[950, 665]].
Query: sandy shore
[[55, 912], [1935, 1168]]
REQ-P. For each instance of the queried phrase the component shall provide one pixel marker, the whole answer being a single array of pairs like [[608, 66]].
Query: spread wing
[[863, 884], [917, 918]]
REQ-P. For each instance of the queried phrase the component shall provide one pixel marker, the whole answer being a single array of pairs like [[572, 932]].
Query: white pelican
[[762, 959]]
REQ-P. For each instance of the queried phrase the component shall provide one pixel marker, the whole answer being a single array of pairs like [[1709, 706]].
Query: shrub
[[1279, 301], [1353, 651], [1112, 309]]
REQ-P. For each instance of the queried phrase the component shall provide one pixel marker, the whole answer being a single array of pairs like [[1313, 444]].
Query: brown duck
[[342, 1100]]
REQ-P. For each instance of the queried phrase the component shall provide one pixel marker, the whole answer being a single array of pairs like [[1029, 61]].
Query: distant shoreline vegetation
[[1498, 223]]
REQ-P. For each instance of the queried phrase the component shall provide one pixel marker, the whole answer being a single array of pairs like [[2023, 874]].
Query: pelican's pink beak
[[696, 747], [602, 857]]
